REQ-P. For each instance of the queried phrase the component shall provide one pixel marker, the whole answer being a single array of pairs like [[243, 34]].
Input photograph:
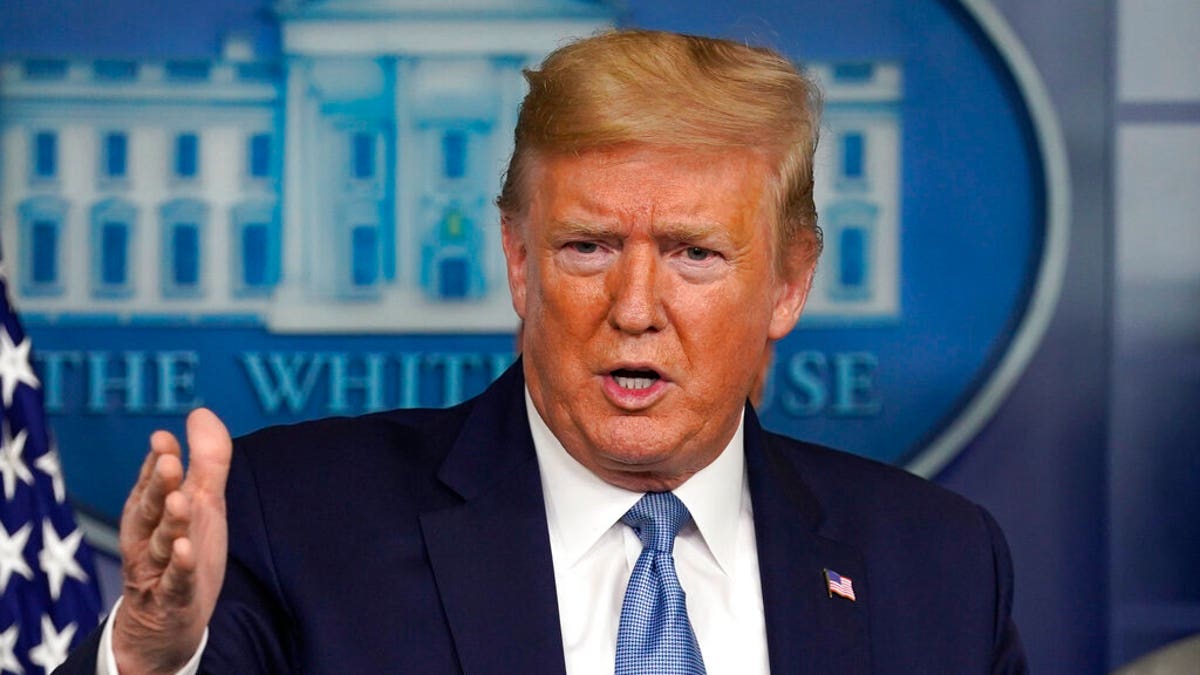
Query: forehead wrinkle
[[578, 208]]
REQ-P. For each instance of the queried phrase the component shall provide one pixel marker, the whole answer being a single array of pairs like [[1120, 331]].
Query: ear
[[791, 293], [516, 256]]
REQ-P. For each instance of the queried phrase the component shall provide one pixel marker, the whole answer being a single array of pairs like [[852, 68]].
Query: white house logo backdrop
[[289, 214]]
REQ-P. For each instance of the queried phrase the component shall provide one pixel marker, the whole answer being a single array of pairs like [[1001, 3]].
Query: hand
[[173, 543]]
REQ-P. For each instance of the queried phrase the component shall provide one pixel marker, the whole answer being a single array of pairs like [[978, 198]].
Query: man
[[660, 236]]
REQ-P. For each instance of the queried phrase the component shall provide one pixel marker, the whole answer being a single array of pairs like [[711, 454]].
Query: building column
[[295, 211], [405, 186]]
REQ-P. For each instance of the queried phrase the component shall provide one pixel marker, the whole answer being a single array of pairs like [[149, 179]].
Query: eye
[[697, 253], [584, 246]]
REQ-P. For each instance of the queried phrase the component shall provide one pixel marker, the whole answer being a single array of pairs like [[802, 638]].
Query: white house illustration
[[346, 183]]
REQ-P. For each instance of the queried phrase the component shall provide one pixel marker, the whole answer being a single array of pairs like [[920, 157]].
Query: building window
[[852, 258], [46, 69], [183, 223], [114, 157], [362, 241], [851, 227], [362, 155], [258, 159], [187, 155], [364, 245], [255, 245], [114, 256], [853, 73], [185, 254], [256, 248], [115, 71], [853, 151], [188, 71], [41, 222], [256, 71], [453, 278], [454, 154], [44, 239], [45, 155], [112, 240]]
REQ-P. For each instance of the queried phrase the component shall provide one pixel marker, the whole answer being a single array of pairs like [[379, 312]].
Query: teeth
[[633, 382]]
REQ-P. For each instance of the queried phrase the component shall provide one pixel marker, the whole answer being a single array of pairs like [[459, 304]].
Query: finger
[[178, 580], [209, 453], [161, 443], [172, 526], [164, 479]]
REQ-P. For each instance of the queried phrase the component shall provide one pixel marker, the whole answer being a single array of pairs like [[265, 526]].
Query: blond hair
[[657, 88]]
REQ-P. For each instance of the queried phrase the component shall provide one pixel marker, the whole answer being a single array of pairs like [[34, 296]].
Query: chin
[[622, 459], [637, 442], [644, 481]]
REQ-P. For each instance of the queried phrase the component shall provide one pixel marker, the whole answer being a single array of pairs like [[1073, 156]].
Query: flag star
[[50, 465], [12, 554], [12, 465], [54, 646], [14, 366], [57, 557], [8, 657]]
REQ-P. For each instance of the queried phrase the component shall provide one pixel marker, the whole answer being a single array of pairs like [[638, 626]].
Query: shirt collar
[[580, 507]]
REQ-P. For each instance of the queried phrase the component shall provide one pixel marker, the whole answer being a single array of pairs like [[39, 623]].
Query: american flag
[[839, 585], [49, 600]]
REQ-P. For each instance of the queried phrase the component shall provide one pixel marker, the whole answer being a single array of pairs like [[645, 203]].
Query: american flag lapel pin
[[839, 585]]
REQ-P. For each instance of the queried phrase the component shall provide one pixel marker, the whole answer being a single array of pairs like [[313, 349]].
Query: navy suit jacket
[[415, 541]]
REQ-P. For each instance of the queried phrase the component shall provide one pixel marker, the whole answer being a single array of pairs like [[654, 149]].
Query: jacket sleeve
[[251, 630], [82, 660]]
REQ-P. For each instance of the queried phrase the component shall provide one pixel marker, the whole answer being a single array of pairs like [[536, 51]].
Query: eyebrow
[[694, 231], [582, 229], [674, 231]]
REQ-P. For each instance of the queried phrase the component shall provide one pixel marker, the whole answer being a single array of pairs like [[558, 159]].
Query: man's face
[[646, 280]]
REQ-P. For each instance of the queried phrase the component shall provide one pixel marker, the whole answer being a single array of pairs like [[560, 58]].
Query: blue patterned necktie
[[655, 636]]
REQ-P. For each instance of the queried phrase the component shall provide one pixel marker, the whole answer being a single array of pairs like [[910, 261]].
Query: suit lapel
[[491, 554], [808, 630]]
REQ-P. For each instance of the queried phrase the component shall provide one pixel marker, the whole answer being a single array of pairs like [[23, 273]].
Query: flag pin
[[839, 585]]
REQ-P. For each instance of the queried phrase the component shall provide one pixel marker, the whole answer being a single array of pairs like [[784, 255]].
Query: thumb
[[209, 452]]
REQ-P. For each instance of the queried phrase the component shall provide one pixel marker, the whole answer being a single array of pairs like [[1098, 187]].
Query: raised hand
[[173, 543]]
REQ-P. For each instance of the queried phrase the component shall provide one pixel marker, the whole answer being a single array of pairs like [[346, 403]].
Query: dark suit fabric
[[415, 541]]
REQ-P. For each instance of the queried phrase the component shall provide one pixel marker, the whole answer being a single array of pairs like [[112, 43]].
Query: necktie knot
[[656, 519]]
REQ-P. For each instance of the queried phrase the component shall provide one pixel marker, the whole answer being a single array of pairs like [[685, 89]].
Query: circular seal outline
[[1052, 267]]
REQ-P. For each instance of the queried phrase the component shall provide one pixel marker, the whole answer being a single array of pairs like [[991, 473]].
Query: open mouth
[[635, 379]]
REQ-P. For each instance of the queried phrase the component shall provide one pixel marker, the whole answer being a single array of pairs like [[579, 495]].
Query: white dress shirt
[[716, 558], [594, 554]]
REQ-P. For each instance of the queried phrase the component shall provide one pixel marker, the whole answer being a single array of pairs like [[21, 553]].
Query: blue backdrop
[[972, 205]]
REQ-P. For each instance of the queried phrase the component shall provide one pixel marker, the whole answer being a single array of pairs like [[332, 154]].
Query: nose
[[636, 298]]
